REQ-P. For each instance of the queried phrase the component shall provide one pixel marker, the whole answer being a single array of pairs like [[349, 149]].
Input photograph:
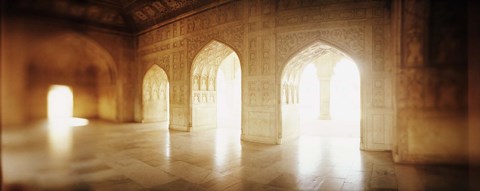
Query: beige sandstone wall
[[36, 54], [432, 83]]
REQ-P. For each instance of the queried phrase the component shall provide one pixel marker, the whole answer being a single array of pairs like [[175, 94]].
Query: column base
[[325, 117]]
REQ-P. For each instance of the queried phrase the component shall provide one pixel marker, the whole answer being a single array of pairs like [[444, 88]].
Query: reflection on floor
[[105, 156], [330, 128]]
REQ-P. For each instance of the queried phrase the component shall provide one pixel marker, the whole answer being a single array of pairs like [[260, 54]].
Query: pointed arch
[[155, 95], [204, 72], [201, 46], [290, 74]]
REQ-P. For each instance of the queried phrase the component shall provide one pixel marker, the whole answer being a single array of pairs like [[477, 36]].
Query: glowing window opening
[[60, 107], [60, 102]]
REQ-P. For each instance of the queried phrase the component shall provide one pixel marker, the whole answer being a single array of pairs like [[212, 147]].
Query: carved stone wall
[[266, 35], [431, 83]]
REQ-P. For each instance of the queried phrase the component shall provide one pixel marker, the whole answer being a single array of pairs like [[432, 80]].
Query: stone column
[[325, 97], [325, 65]]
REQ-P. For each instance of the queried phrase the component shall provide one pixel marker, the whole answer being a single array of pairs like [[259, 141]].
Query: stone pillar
[[325, 97], [325, 65]]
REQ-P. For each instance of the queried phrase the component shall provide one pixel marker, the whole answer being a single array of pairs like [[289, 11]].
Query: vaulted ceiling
[[122, 15]]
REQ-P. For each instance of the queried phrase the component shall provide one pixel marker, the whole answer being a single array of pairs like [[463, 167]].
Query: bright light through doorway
[[344, 101], [228, 88], [60, 103], [345, 91], [60, 106], [60, 117], [309, 93]]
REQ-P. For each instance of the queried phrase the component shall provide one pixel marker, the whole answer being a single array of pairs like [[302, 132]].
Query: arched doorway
[[216, 84], [328, 81], [155, 95]]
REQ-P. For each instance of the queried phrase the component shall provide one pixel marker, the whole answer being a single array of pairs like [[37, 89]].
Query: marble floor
[[107, 156]]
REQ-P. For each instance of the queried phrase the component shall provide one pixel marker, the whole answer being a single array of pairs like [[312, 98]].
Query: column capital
[[326, 63]]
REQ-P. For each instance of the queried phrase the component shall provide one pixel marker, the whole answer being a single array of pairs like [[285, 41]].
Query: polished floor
[[106, 156]]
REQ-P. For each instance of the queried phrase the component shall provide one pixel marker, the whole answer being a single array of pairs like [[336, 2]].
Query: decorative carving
[[211, 83], [179, 63], [290, 93], [157, 10], [180, 44], [179, 94], [320, 15], [93, 13], [261, 92], [204, 98], [234, 35], [294, 68], [285, 93], [211, 98], [155, 36], [378, 48], [204, 73], [160, 8], [164, 62], [196, 98], [253, 65], [268, 60], [351, 39], [203, 83], [150, 12], [378, 93], [196, 82], [215, 17], [261, 56]]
